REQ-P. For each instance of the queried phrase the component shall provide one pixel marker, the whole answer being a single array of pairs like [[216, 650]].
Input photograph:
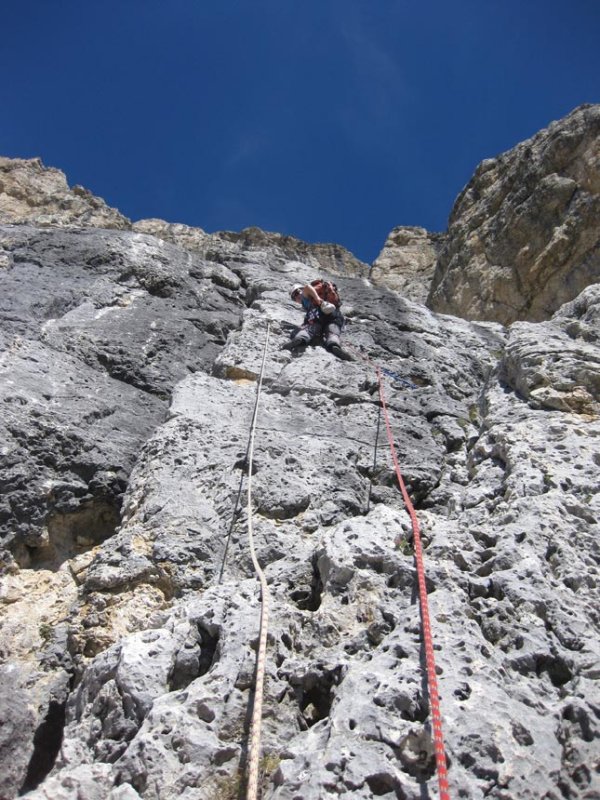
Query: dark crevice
[[208, 650], [128, 374], [383, 783], [556, 668], [417, 755], [46, 746], [579, 719], [417, 712], [194, 659], [242, 464], [315, 703], [308, 598], [462, 691], [314, 694]]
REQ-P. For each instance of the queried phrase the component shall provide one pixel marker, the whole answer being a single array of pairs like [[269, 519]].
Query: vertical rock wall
[[407, 262], [128, 373], [523, 237]]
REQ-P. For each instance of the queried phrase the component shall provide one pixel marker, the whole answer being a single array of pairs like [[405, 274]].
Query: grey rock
[[234, 245], [144, 632], [564, 372], [17, 727], [31, 193]]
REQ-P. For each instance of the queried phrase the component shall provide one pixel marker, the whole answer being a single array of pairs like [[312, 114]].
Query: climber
[[323, 318]]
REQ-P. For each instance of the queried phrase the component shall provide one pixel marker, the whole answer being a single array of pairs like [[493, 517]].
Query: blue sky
[[331, 120]]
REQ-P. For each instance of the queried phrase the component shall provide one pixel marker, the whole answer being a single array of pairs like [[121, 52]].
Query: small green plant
[[266, 767], [269, 763], [405, 546], [45, 631], [232, 787], [474, 414], [229, 787]]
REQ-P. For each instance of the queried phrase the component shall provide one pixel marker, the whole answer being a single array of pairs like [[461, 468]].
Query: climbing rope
[[374, 458], [233, 519], [438, 739], [255, 730]]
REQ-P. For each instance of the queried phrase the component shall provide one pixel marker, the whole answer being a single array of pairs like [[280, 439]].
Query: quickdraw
[[398, 378]]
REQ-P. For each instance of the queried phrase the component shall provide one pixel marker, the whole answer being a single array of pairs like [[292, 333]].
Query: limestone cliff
[[407, 262], [39, 195], [524, 234], [31, 192], [128, 377], [523, 237]]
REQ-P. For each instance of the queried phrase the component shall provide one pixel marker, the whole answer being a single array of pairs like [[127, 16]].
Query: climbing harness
[[255, 730], [438, 739]]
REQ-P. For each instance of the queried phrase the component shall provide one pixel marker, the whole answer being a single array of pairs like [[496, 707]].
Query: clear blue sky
[[331, 120]]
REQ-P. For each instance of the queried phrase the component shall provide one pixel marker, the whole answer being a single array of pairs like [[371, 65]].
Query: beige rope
[[255, 731]]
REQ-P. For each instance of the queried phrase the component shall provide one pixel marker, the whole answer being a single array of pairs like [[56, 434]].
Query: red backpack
[[327, 291]]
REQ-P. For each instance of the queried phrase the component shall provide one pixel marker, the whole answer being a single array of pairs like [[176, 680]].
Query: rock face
[[524, 235], [407, 262], [35, 194], [31, 192], [129, 608], [330, 257]]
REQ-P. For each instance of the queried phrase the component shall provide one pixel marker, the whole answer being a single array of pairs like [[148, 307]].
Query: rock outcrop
[[31, 193], [524, 234], [407, 262], [330, 257], [129, 608]]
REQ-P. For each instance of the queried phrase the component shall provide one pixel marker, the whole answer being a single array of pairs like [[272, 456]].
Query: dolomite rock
[[34, 194], [524, 234], [17, 728], [407, 262], [331, 257], [129, 608], [31, 192], [557, 365]]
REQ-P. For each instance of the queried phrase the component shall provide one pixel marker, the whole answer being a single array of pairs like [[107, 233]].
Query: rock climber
[[323, 319]]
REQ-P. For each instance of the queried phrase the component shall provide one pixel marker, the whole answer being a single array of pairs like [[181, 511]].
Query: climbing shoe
[[293, 344], [339, 353]]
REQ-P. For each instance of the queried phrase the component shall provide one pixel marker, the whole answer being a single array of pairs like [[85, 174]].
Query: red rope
[[434, 699]]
